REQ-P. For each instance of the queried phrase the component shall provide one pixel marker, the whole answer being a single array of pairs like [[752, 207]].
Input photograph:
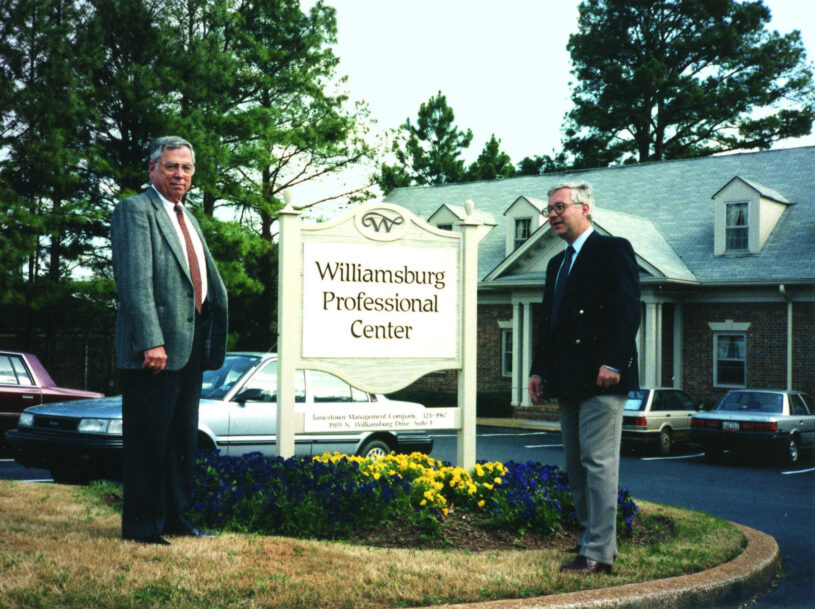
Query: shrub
[[333, 495]]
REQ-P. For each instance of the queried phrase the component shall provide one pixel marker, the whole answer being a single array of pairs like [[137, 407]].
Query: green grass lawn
[[60, 546]]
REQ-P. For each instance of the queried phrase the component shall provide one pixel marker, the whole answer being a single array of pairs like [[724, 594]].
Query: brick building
[[726, 251]]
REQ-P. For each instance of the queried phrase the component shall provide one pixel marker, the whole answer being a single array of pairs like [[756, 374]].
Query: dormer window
[[736, 227], [522, 230], [523, 218], [445, 226], [745, 214]]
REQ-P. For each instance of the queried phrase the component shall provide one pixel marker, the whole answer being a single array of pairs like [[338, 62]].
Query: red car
[[25, 382]]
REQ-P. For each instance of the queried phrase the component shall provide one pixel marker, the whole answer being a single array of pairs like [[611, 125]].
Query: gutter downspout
[[783, 291]]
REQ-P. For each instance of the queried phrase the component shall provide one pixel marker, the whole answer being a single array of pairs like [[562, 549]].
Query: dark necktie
[[195, 270], [560, 284]]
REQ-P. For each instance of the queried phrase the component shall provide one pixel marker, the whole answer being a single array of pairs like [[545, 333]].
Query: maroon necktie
[[195, 270]]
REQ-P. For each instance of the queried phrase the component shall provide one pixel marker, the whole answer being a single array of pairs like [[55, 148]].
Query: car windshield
[[752, 401], [636, 400], [218, 382]]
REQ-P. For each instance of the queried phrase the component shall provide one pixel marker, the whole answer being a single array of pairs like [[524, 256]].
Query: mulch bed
[[463, 531]]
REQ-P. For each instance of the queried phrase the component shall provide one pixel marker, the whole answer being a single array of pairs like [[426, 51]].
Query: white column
[[678, 347], [658, 344], [651, 352], [789, 345], [287, 332], [469, 313], [517, 372], [528, 343]]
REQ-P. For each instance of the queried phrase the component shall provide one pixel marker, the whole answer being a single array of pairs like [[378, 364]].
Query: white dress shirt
[[197, 246]]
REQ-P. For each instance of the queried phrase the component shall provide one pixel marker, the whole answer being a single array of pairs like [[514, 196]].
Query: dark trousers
[[160, 434]]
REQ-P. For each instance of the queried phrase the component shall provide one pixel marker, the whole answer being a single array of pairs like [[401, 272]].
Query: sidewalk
[[520, 423]]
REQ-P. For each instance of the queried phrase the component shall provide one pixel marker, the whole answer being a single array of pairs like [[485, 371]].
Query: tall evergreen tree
[[428, 152], [492, 163], [45, 143], [661, 79]]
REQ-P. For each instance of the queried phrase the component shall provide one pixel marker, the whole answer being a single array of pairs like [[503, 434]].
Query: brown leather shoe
[[585, 566]]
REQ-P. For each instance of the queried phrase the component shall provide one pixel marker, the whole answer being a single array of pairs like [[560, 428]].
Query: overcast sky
[[502, 65]]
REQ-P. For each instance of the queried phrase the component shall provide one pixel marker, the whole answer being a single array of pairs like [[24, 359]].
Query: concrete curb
[[738, 580], [535, 424]]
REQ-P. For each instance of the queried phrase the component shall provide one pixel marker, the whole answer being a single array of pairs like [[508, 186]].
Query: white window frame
[[506, 352], [743, 229], [524, 227], [716, 337]]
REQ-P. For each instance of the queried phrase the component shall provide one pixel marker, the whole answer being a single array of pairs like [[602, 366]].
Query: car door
[[17, 388], [681, 409], [656, 411], [331, 395], [253, 414], [802, 407]]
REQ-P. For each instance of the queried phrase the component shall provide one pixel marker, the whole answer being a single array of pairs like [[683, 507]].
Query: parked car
[[237, 415], [25, 382], [659, 416], [780, 422]]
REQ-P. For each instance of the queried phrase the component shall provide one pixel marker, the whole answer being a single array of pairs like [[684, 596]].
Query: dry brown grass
[[59, 548]]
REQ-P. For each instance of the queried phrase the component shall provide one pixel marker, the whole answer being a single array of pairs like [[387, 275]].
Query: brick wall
[[488, 349], [766, 346], [803, 340]]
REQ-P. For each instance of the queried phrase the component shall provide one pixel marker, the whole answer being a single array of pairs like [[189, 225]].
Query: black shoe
[[151, 540], [585, 566], [189, 532]]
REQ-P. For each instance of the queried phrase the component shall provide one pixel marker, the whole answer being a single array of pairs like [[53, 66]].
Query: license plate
[[730, 426]]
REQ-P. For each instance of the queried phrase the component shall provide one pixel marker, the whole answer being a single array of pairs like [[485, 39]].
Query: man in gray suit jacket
[[587, 358], [171, 326]]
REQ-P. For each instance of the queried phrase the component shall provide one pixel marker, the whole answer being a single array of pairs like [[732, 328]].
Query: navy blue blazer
[[597, 324]]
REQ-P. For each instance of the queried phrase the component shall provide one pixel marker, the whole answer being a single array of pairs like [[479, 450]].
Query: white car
[[780, 422], [82, 440], [658, 417]]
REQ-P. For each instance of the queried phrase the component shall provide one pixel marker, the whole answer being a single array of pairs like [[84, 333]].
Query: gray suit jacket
[[156, 300]]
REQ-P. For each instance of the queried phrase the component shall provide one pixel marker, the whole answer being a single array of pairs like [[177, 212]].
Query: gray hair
[[582, 192], [170, 142]]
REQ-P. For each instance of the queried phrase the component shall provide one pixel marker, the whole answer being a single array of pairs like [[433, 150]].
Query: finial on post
[[469, 206]]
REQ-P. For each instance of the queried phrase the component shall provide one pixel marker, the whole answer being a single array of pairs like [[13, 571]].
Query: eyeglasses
[[558, 208], [173, 167]]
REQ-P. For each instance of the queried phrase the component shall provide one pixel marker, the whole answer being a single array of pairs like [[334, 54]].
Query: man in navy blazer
[[171, 326], [586, 358]]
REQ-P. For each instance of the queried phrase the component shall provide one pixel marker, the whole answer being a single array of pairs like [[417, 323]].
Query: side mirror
[[253, 394]]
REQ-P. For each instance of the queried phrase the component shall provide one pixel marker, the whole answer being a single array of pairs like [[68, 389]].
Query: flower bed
[[334, 496]]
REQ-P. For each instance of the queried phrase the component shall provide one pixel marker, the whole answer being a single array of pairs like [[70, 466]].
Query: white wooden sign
[[379, 298]]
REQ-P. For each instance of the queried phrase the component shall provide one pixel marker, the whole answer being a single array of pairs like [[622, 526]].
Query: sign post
[[379, 298]]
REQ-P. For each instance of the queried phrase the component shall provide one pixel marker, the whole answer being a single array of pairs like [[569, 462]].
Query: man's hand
[[607, 377], [155, 359], [535, 389]]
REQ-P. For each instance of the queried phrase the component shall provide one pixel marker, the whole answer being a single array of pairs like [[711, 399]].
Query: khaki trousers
[[591, 431]]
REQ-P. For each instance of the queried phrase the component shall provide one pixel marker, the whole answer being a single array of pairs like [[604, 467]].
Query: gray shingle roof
[[671, 199]]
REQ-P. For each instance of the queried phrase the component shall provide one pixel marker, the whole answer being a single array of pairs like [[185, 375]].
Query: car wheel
[[375, 449], [69, 476], [791, 450], [665, 442], [204, 443], [712, 453]]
